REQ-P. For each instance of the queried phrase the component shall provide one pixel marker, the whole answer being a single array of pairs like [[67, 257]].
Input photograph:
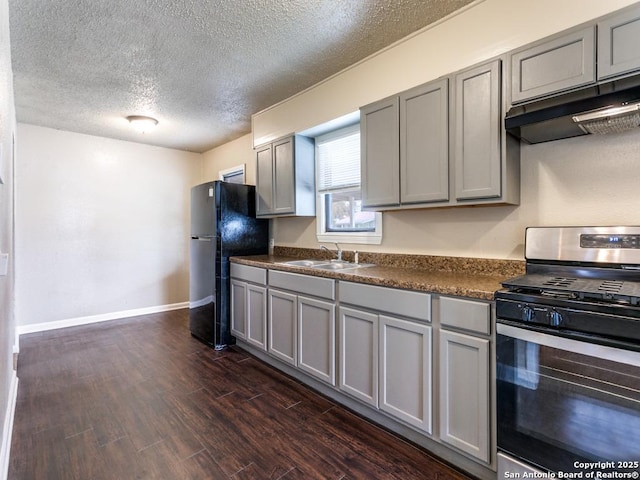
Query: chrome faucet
[[337, 253]]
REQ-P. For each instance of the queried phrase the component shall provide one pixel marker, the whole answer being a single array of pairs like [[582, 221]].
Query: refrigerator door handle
[[202, 239]]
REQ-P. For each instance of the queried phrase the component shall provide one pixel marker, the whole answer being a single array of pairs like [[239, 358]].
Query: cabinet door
[[478, 123], [317, 339], [283, 309], [358, 354], [405, 371], [464, 393], [618, 40], [238, 312], [559, 64], [284, 177], [380, 152], [256, 315], [264, 180], [424, 143]]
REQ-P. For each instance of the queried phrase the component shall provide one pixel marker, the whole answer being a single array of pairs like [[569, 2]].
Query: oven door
[[563, 402]]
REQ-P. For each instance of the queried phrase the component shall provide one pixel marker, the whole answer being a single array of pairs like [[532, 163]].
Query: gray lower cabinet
[[285, 177], [257, 316], [317, 338], [358, 354], [283, 325], [464, 393], [376, 345], [618, 40], [559, 63], [465, 376], [249, 313], [249, 304], [405, 361], [385, 352], [238, 308], [302, 329]]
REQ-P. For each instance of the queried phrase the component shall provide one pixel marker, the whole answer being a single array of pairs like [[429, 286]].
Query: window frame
[[327, 235]]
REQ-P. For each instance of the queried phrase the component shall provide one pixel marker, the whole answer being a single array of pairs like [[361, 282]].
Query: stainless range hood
[[608, 107]]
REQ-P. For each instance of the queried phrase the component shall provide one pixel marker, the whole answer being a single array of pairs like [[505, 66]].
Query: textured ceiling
[[200, 67]]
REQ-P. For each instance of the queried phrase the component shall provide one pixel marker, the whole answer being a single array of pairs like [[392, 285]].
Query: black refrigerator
[[223, 224]]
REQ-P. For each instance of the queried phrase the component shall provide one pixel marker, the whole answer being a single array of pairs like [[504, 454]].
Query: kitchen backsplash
[[475, 266]]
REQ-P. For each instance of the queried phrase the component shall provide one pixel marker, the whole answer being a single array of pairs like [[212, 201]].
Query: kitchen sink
[[326, 264], [305, 263], [341, 265]]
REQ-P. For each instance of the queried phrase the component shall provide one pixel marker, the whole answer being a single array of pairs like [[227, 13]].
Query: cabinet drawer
[[305, 284], [466, 314], [397, 302], [249, 274]]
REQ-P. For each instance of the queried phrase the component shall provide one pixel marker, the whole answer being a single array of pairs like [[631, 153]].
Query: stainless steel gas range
[[568, 355]]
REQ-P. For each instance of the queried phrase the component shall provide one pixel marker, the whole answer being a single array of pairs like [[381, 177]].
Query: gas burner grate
[[562, 282], [610, 286], [579, 288]]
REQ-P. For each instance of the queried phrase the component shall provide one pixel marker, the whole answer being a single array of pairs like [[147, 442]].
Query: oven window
[[556, 407]]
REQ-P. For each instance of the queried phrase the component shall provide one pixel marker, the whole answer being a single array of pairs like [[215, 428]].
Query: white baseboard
[[8, 427], [74, 322]]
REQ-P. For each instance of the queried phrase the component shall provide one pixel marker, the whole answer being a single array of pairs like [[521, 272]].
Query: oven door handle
[[618, 355]]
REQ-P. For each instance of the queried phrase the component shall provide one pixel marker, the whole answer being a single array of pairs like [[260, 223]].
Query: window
[[339, 207]]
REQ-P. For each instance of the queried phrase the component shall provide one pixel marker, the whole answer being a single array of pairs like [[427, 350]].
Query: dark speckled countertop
[[465, 277]]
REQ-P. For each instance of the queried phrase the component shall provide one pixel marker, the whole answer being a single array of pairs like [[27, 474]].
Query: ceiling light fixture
[[141, 123]]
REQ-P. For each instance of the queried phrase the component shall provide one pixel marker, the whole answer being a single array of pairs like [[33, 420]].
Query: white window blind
[[338, 160]]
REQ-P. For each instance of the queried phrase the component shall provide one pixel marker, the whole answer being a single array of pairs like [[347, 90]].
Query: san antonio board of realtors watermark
[[587, 470]]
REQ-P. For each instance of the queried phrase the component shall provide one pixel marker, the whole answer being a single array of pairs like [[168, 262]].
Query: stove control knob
[[527, 314], [555, 318]]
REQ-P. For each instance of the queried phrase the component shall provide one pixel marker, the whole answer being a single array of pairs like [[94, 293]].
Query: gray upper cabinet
[[285, 178], [478, 120], [264, 185], [440, 144], [424, 143], [554, 65], [618, 40], [380, 153], [405, 148]]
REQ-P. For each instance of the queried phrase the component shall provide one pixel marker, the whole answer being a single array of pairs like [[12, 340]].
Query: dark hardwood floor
[[141, 399]]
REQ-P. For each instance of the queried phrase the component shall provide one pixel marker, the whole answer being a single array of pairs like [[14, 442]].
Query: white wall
[[230, 155], [7, 321], [582, 181], [101, 225]]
